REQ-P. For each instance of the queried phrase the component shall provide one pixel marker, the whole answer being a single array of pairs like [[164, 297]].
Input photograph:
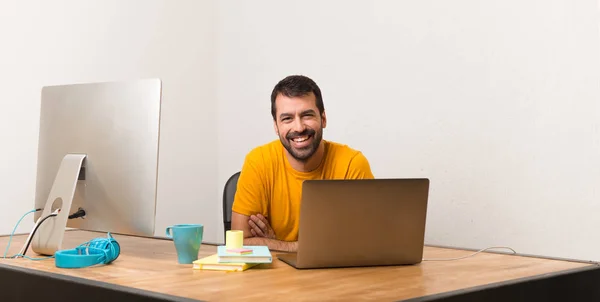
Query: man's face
[[299, 125]]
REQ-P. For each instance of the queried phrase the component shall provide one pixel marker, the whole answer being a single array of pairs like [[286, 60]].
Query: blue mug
[[187, 239]]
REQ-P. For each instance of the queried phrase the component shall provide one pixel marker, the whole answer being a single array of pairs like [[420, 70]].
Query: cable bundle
[[95, 251], [23, 250]]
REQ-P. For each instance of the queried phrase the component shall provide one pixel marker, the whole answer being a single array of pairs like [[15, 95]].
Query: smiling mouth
[[300, 139]]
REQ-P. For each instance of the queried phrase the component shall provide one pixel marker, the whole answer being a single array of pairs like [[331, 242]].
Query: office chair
[[228, 195]]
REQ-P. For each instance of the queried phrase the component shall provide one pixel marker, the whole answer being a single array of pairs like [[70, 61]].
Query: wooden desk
[[149, 266]]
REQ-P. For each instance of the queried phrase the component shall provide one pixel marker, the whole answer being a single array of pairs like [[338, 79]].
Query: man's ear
[[323, 119], [275, 127]]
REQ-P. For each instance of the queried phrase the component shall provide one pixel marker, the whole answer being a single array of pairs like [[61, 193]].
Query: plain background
[[495, 101]]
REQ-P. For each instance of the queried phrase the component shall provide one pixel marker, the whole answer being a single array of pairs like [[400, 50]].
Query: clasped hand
[[260, 227]]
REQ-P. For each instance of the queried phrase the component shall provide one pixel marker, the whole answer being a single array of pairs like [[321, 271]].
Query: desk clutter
[[234, 256]]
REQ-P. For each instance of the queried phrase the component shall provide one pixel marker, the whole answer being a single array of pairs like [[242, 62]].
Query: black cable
[[35, 229], [79, 213]]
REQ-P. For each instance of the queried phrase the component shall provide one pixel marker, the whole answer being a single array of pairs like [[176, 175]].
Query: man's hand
[[251, 237], [259, 226]]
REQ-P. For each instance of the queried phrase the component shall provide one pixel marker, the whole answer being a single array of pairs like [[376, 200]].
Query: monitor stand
[[49, 235]]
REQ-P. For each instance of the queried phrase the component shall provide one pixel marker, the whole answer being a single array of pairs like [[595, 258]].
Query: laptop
[[366, 222]]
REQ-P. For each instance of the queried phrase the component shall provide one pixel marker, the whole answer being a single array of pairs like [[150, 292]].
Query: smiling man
[[267, 201]]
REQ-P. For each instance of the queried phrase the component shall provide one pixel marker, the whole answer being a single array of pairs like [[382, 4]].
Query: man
[[267, 201]]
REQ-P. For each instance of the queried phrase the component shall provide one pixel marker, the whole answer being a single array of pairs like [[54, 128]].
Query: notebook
[[260, 254], [212, 263]]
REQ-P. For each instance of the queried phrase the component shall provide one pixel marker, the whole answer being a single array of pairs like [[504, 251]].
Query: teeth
[[300, 139]]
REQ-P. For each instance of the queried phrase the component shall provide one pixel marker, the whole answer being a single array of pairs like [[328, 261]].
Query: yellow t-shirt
[[270, 186]]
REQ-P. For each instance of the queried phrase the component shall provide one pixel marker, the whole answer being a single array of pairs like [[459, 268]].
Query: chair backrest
[[228, 197]]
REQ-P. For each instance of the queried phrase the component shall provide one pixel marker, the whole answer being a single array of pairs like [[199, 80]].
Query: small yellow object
[[234, 239]]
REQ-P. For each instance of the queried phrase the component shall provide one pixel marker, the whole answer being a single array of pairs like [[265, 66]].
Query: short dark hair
[[294, 86]]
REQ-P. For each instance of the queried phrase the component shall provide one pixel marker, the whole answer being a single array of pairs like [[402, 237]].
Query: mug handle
[[168, 232]]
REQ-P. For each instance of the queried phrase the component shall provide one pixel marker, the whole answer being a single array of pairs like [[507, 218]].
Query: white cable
[[463, 257], [29, 238]]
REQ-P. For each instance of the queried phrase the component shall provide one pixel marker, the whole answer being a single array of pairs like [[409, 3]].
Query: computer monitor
[[98, 151]]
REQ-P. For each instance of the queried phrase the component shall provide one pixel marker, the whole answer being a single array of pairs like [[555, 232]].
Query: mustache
[[293, 135]]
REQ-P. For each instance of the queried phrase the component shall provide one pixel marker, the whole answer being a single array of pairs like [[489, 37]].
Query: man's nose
[[298, 125]]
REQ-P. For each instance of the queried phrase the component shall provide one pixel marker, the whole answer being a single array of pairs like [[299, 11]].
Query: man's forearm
[[273, 244]]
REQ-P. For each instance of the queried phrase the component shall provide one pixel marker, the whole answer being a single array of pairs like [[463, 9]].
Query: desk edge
[[495, 285], [93, 283]]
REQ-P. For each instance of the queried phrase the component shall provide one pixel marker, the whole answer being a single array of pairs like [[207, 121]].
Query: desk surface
[[150, 264]]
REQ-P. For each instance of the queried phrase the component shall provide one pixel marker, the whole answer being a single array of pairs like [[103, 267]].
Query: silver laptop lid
[[362, 222]]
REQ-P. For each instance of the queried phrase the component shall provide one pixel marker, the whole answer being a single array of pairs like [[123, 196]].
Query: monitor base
[[49, 235]]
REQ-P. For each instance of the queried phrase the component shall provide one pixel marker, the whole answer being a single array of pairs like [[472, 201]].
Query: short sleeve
[[359, 168], [250, 193]]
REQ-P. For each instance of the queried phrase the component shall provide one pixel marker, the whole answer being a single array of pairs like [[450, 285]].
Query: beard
[[304, 153]]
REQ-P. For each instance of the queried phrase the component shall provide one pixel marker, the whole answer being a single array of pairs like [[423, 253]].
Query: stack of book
[[235, 259]]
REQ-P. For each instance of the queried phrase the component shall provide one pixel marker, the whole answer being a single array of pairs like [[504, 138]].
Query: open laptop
[[367, 222]]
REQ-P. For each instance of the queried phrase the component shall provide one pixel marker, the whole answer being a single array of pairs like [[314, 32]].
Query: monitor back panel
[[116, 124]]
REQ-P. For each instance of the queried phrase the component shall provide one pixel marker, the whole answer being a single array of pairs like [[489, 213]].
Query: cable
[[54, 214], [29, 237], [31, 258], [15, 229], [79, 213], [463, 257]]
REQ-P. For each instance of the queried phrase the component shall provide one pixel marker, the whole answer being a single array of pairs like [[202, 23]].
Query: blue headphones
[[93, 252]]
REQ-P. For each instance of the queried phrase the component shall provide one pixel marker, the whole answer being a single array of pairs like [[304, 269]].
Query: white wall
[[495, 102], [61, 42]]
